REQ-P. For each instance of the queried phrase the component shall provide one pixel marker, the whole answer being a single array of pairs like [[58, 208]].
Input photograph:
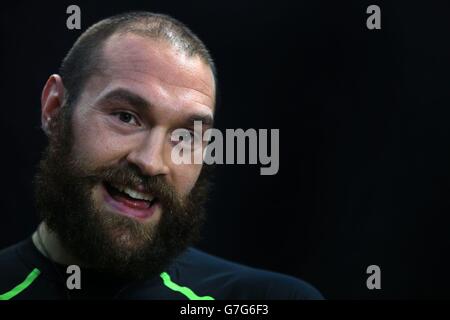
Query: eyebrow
[[121, 95], [126, 96], [207, 120]]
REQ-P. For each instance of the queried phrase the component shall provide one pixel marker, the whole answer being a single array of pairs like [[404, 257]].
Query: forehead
[[157, 69]]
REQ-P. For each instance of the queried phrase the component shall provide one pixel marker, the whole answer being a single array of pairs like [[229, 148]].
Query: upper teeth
[[135, 194]]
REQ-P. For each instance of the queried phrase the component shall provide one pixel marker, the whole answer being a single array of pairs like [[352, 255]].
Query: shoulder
[[10, 258], [13, 270], [236, 281]]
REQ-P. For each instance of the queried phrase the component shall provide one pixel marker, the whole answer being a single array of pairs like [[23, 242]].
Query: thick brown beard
[[111, 243]]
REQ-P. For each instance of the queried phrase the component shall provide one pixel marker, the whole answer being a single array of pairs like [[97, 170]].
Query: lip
[[123, 209]]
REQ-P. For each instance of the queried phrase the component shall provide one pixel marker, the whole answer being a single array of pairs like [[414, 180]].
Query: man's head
[[107, 185]]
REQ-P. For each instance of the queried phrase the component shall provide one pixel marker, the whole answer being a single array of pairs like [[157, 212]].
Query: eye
[[127, 117], [188, 138]]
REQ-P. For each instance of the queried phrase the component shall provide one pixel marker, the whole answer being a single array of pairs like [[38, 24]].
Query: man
[[111, 198]]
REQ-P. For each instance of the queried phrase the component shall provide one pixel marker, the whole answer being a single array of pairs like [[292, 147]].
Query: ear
[[52, 99]]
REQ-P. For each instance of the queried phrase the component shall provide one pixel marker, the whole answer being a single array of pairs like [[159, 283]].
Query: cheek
[[95, 144], [184, 177]]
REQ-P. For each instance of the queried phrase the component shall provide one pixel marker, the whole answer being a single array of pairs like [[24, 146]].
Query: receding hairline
[[161, 27], [147, 30], [102, 59], [89, 46]]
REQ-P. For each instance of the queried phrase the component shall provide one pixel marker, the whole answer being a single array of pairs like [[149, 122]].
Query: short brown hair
[[84, 58]]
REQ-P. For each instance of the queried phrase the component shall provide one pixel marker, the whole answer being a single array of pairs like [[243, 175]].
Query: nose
[[149, 154]]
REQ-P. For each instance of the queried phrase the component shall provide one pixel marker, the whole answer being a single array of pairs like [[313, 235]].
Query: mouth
[[130, 202]]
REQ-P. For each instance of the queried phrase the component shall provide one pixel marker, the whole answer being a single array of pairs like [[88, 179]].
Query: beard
[[107, 242]]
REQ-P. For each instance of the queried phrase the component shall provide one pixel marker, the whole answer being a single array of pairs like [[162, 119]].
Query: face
[[127, 113], [107, 184]]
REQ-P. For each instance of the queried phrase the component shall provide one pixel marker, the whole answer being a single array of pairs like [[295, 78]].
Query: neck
[[48, 243]]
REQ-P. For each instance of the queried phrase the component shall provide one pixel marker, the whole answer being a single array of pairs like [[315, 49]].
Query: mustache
[[131, 177]]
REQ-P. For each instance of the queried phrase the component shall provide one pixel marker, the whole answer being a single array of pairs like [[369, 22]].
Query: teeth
[[134, 194]]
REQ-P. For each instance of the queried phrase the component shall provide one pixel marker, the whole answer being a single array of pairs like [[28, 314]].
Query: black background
[[363, 118]]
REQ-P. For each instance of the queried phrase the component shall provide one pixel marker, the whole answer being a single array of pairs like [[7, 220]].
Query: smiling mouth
[[130, 202]]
